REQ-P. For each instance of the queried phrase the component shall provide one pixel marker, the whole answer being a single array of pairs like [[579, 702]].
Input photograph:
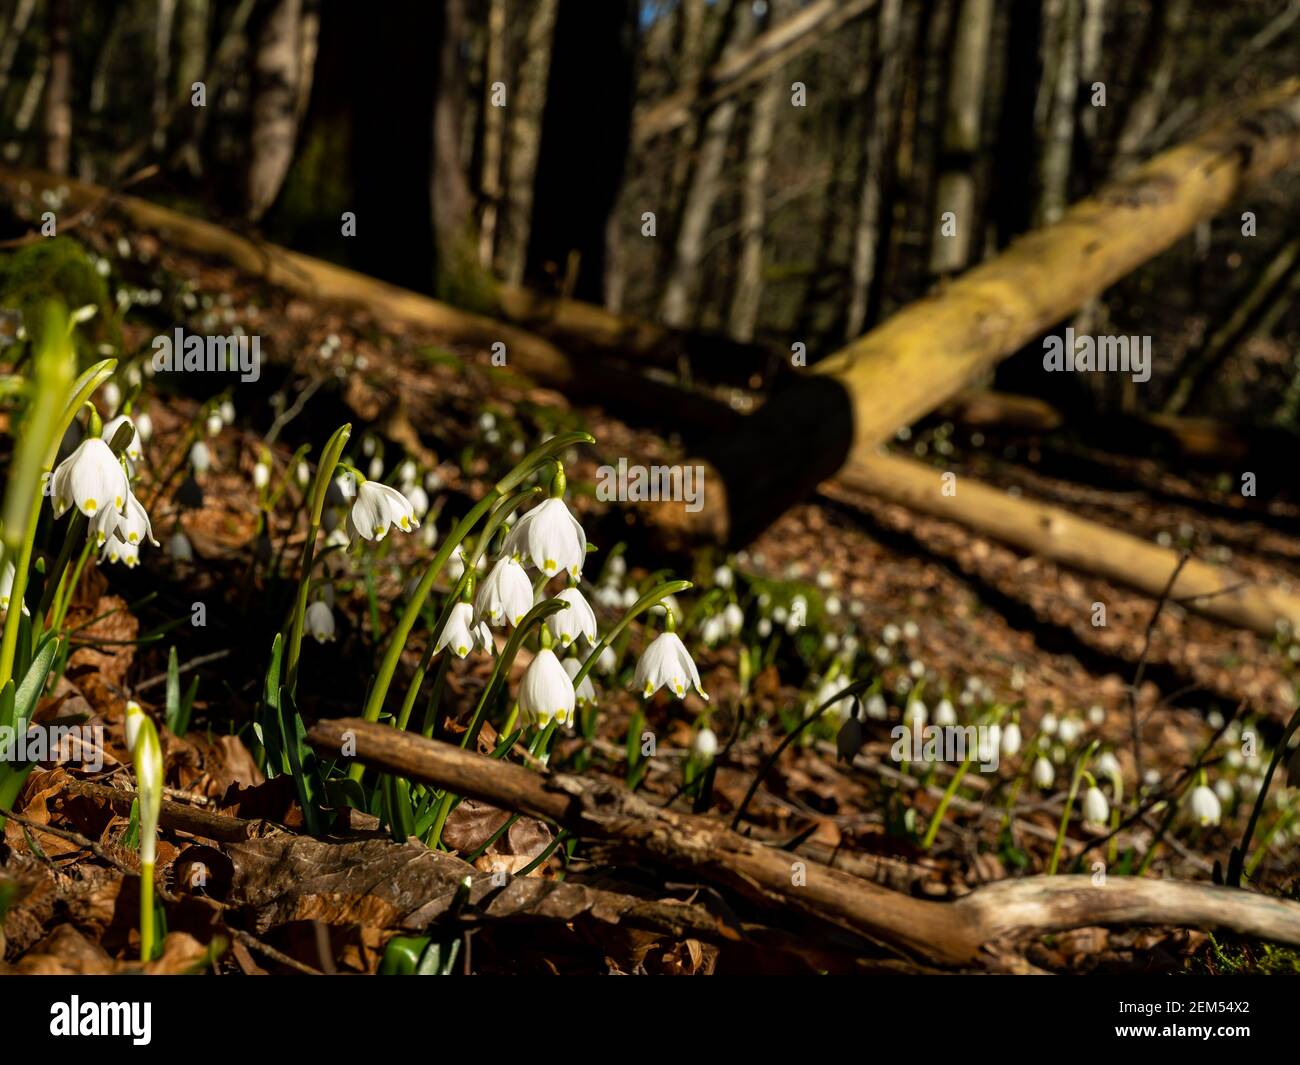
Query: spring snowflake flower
[[546, 691], [1011, 740], [1205, 806], [215, 424], [179, 547], [550, 538], [200, 457], [734, 618], [842, 708], [7, 586], [723, 577], [261, 475], [877, 708], [945, 713], [91, 477], [586, 692], [144, 427], [1044, 774], [714, 630], [133, 449], [577, 619], [705, 745], [378, 507], [127, 554], [505, 594], [607, 661], [667, 662], [227, 411], [134, 527], [1096, 810], [1108, 765], [461, 633], [319, 622]]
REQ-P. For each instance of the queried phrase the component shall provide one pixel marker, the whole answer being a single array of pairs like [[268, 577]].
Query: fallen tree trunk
[[1051, 532], [927, 352], [954, 934]]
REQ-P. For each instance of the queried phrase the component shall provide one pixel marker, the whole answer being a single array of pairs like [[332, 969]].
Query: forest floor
[[908, 597]]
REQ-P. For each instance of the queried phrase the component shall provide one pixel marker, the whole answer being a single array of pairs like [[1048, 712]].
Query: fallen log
[[956, 934], [1054, 533], [177, 816], [913, 362]]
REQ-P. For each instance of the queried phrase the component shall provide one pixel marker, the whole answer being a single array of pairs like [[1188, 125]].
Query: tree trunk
[[1091, 36], [1154, 75], [27, 106], [11, 38], [275, 104], [526, 108], [1058, 94], [877, 160], [963, 107], [452, 204], [162, 65], [753, 209], [494, 126], [58, 87]]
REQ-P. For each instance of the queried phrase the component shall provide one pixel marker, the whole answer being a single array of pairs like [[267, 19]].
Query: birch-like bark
[[58, 87], [275, 66], [1057, 96], [494, 125]]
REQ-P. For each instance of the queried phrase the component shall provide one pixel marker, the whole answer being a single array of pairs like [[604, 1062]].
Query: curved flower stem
[[1080, 767], [1236, 861], [639, 607], [951, 791], [324, 475]]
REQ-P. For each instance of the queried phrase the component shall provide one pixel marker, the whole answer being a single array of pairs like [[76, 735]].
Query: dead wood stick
[[945, 933], [174, 815]]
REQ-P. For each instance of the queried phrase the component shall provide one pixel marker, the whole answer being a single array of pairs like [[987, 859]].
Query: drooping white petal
[[586, 691], [135, 528], [377, 508], [461, 634], [505, 594], [667, 662], [546, 691], [577, 619], [319, 622], [92, 478], [550, 538]]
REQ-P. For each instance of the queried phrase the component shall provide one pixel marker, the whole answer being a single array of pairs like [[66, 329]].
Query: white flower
[[376, 468], [127, 554], [214, 424], [1224, 790], [377, 508], [456, 564], [546, 691], [345, 485], [1069, 730], [1049, 724], [505, 594], [1108, 765], [713, 630], [1205, 806], [723, 577], [877, 708], [705, 745], [7, 586], [179, 547], [1096, 810], [134, 718], [112, 393], [227, 411], [763, 628], [607, 661], [827, 690], [666, 661], [576, 619], [419, 500], [916, 714], [549, 537], [302, 473], [91, 477], [1011, 740], [319, 622], [1044, 774], [734, 617], [461, 634], [261, 475], [144, 426], [890, 634], [911, 630], [132, 451], [945, 713], [200, 457], [586, 690]]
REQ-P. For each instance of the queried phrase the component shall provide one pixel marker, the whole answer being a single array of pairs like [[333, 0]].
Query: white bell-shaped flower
[[945, 713], [377, 508], [461, 634], [586, 691], [133, 450], [7, 587], [1096, 810], [144, 426], [115, 551], [705, 745], [505, 594], [91, 477], [841, 708], [546, 691], [200, 457], [261, 475], [734, 618], [576, 619], [179, 547], [1044, 774], [1011, 740], [135, 528], [550, 538], [319, 622], [667, 662], [1205, 806]]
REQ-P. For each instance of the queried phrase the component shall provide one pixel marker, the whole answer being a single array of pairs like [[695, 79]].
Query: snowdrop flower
[[127, 554], [319, 622], [667, 662], [7, 586], [134, 719], [1011, 740], [577, 619], [734, 618], [945, 713], [723, 577], [91, 477], [586, 692], [261, 475], [1205, 806], [704, 745], [133, 451], [546, 691], [214, 424], [505, 594], [179, 547], [1096, 810], [200, 457], [877, 708], [378, 507], [550, 538], [461, 633], [1044, 774]]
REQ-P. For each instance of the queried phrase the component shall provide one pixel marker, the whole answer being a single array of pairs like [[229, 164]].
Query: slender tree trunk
[[308, 50], [1091, 37], [963, 107], [11, 38], [58, 88], [1155, 74], [191, 45], [753, 210], [162, 65], [494, 125], [528, 101], [1057, 96], [450, 197], [274, 121], [871, 205], [27, 106]]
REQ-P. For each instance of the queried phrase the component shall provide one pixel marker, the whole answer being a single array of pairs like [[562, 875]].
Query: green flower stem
[[146, 912], [64, 600], [324, 475], [639, 607], [435, 698], [397, 643], [1080, 770], [1239, 853]]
